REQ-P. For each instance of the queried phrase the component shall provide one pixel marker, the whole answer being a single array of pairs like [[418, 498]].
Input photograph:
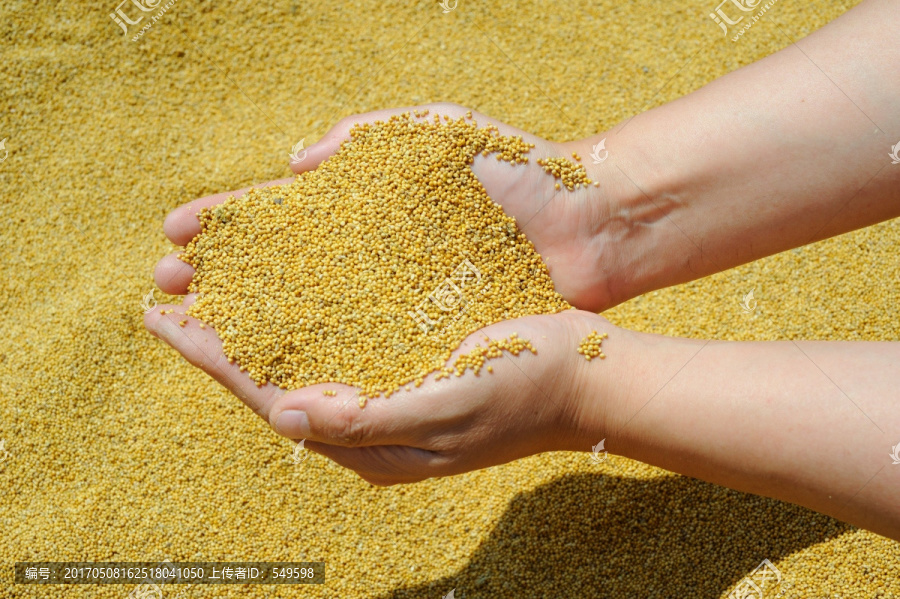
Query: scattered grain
[[474, 359]]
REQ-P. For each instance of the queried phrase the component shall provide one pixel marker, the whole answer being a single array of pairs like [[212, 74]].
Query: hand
[[527, 405], [573, 231]]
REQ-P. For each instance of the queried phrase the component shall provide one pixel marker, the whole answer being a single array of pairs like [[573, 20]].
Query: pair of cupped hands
[[530, 403]]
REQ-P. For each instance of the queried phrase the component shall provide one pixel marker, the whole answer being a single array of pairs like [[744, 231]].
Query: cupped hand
[[530, 403], [571, 230]]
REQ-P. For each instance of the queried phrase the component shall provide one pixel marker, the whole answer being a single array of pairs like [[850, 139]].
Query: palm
[[563, 225]]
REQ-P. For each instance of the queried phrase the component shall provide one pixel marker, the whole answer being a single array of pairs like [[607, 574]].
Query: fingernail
[[292, 424]]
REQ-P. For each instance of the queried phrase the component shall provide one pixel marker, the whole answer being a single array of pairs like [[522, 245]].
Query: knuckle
[[350, 430]]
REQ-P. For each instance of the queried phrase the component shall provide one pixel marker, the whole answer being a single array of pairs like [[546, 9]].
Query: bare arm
[[791, 149], [811, 422], [788, 150]]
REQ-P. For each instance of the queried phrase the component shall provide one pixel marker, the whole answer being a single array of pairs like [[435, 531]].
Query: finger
[[203, 348], [311, 157], [182, 224], [384, 465], [306, 414], [172, 275]]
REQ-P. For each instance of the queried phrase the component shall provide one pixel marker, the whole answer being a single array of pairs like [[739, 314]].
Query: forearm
[[811, 422], [788, 150]]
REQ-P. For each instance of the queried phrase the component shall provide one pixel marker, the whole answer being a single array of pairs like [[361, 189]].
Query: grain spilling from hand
[[571, 175], [475, 359], [371, 269]]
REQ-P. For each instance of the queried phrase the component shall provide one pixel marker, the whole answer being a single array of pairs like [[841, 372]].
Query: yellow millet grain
[[552, 525], [391, 243], [590, 346], [476, 358], [570, 174]]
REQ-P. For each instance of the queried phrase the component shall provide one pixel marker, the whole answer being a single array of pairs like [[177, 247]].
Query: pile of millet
[[571, 175], [590, 346], [372, 268]]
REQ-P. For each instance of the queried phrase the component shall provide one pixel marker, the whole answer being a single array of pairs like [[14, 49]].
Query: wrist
[[599, 388], [612, 399], [634, 213]]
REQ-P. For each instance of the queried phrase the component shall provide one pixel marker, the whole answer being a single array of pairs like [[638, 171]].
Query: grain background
[[117, 449]]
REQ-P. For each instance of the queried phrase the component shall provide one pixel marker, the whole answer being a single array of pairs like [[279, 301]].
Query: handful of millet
[[372, 268]]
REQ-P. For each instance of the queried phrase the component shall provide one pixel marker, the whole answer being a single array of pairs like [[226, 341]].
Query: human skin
[[789, 150]]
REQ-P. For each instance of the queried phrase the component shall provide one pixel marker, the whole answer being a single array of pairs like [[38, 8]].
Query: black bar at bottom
[[160, 573]]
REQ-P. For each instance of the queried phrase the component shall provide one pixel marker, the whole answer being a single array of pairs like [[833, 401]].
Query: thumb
[[339, 420]]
